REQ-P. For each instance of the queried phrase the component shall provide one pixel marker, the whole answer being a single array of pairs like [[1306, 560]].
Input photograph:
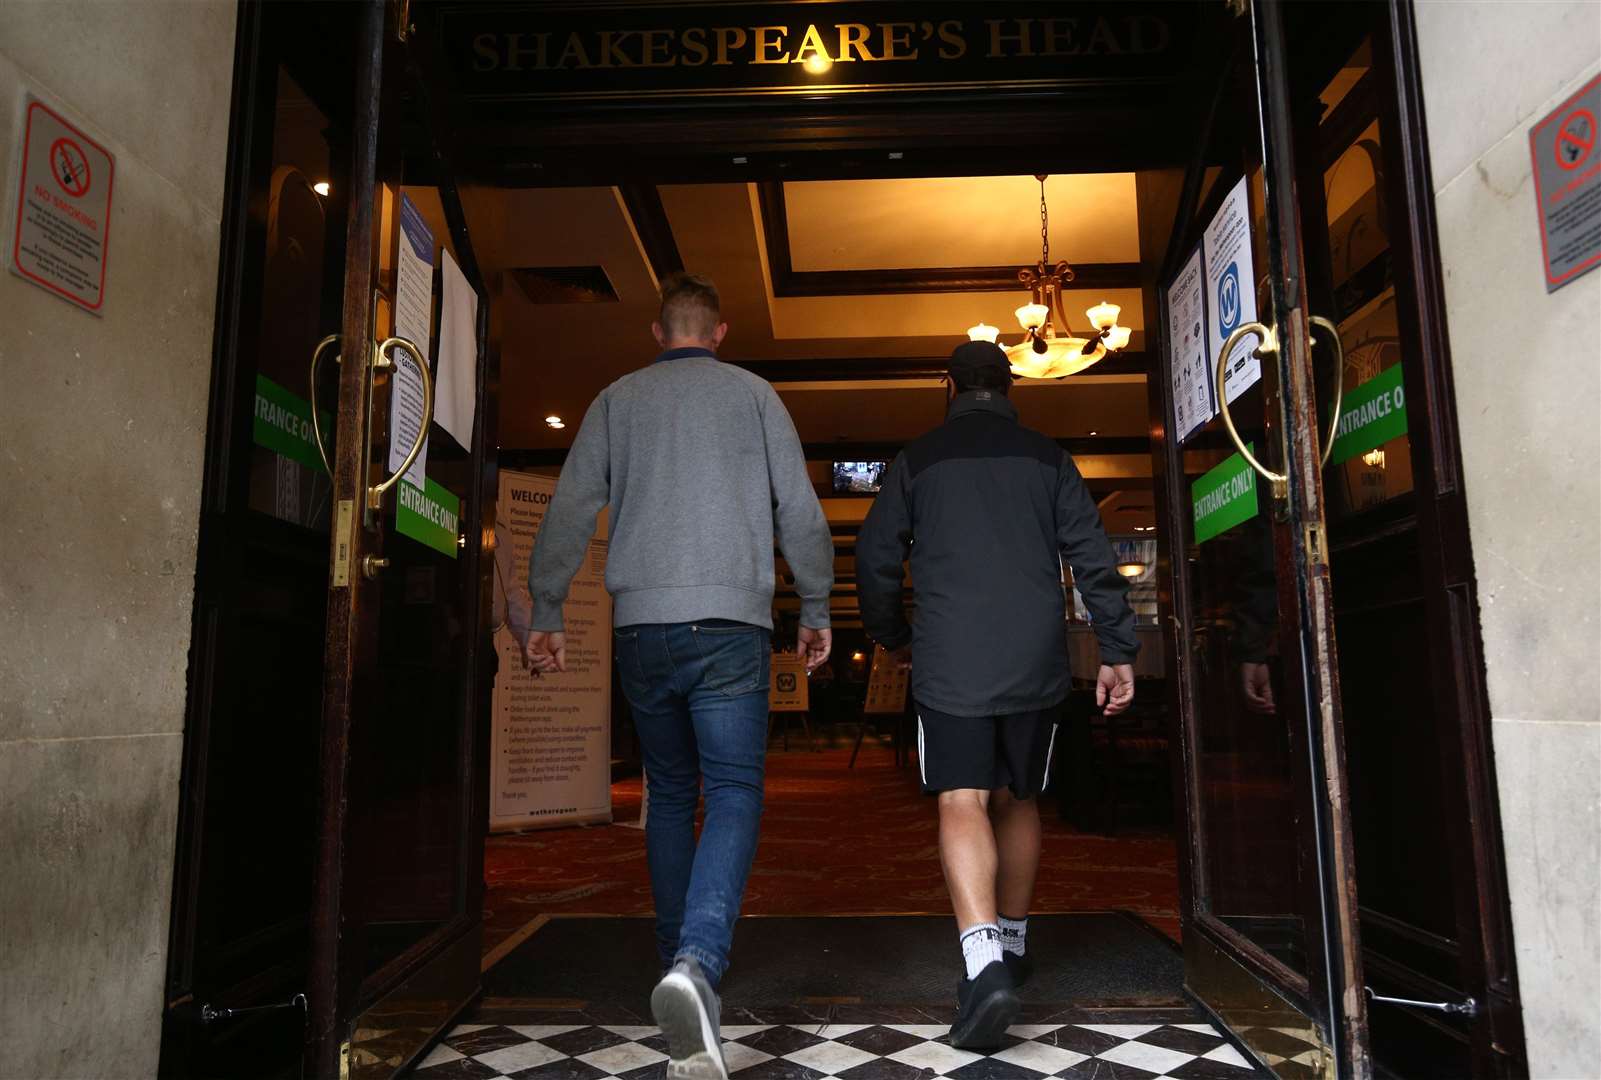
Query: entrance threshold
[[855, 997]]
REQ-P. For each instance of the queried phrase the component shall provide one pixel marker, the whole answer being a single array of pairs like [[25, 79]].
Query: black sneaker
[[687, 1010], [986, 1007], [1021, 967]]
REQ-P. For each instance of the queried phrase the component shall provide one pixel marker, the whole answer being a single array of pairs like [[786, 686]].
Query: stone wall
[[104, 422], [1527, 368]]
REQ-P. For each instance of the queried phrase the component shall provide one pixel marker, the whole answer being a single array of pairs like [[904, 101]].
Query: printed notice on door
[[414, 310], [1231, 289], [62, 209], [551, 736], [1192, 369]]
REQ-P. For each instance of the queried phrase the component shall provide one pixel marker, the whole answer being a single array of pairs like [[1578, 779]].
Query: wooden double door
[[328, 893]]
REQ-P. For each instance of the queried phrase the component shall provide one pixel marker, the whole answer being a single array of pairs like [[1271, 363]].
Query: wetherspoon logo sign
[[604, 50]]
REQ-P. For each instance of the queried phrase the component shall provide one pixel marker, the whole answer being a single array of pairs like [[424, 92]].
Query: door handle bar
[[380, 359], [316, 424], [1320, 323], [1269, 347]]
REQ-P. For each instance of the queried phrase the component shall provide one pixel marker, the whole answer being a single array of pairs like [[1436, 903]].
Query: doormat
[[1083, 959]]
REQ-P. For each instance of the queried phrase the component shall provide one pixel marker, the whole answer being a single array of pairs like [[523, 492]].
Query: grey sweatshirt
[[700, 465]]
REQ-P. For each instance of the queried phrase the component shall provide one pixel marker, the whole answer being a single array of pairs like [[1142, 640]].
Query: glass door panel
[[1271, 931]]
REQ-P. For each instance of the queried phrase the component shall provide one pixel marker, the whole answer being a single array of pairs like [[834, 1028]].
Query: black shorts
[[986, 752]]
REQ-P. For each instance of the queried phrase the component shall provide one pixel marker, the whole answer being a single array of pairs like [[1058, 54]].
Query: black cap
[[974, 357]]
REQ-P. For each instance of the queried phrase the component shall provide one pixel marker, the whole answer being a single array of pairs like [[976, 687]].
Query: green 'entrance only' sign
[[1224, 497], [429, 516], [1372, 414], [282, 423]]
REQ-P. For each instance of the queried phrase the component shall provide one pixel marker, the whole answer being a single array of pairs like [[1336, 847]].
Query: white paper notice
[[414, 305], [550, 744], [1231, 288], [1193, 395], [456, 396]]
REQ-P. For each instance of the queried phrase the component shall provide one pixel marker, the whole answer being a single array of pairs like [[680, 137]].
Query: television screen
[[858, 477]]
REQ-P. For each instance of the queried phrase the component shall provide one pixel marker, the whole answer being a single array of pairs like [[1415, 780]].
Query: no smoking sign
[[62, 209], [1567, 185]]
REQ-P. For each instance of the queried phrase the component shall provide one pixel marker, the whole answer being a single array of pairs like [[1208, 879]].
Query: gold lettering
[[1103, 40], [1138, 42], [728, 38], [488, 58], [694, 41], [898, 36], [610, 54], [1059, 37], [574, 50], [765, 42], [515, 51], [853, 36], [811, 41], [953, 45], [1023, 38], [658, 42]]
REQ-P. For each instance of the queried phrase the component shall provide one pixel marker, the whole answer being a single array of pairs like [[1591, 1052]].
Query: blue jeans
[[699, 695]]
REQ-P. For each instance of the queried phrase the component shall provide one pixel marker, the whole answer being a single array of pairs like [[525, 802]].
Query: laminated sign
[[1567, 186], [62, 210]]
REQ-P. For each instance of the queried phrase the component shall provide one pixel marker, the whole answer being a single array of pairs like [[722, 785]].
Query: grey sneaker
[[687, 1010]]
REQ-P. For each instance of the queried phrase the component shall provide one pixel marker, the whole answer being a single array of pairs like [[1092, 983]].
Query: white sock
[[981, 947], [1014, 934]]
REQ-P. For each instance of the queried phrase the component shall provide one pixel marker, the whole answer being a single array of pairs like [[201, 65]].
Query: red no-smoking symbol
[[1575, 138], [70, 167]]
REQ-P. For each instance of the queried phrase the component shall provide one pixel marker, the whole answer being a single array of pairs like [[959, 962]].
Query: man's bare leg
[[967, 854], [1017, 842], [986, 999]]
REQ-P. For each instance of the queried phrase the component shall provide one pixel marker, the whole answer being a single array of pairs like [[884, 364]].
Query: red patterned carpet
[[834, 841]]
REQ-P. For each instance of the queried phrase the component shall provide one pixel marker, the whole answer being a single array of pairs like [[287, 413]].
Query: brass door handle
[[316, 424], [1270, 345], [380, 359], [1319, 321]]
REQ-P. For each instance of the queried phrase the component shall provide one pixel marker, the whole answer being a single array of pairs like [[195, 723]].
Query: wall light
[[321, 188]]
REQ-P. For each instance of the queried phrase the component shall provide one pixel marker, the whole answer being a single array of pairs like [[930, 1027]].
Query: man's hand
[[545, 652], [1114, 688], [813, 646], [901, 657], [1257, 686]]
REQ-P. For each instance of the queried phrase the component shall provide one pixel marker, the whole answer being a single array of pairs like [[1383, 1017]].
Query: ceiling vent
[[565, 284]]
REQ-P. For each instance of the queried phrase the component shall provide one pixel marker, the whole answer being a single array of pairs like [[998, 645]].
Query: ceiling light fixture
[[818, 63], [555, 422], [1042, 354]]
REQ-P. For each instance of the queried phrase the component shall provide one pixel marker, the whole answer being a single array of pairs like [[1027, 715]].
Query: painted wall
[[1527, 368], [104, 424]]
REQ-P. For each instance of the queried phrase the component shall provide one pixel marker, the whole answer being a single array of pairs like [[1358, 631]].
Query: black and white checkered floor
[[1080, 1044]]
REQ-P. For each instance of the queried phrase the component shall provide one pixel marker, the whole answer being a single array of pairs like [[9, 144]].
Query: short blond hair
[[690, 307]]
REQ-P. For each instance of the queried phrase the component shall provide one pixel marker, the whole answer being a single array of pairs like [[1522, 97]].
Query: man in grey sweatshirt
[[700, 466]]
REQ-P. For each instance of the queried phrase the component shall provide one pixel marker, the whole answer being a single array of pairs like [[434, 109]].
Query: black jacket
[[988, 510]]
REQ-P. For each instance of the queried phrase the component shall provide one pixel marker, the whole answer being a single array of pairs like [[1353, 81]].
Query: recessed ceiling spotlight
[[321, 188], [555, 421], [1095, 433]]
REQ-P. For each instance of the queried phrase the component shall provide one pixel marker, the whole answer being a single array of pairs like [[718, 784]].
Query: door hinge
[[1468, 1007]]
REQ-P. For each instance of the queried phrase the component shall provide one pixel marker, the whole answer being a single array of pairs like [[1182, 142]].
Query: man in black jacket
[[988, 510]]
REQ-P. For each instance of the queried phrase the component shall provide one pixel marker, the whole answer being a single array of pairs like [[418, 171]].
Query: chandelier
[[1049, 349]]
